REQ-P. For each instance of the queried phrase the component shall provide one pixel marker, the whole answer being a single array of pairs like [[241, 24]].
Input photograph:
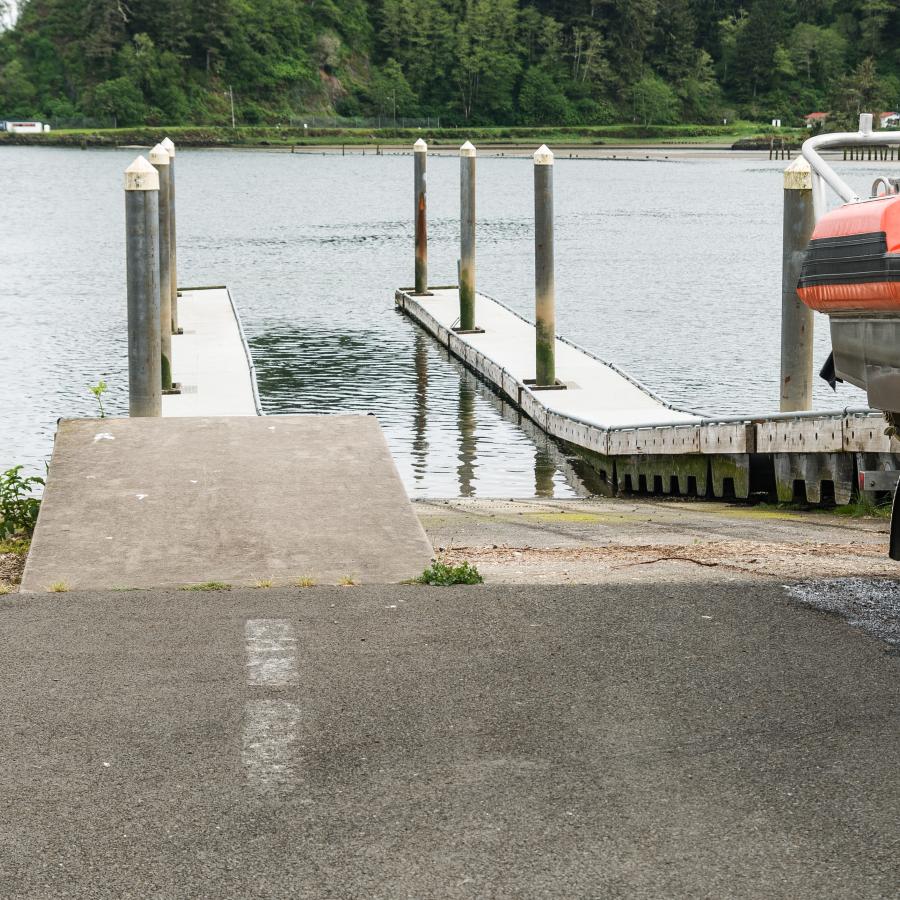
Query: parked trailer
[[851, 272], [26, 127]]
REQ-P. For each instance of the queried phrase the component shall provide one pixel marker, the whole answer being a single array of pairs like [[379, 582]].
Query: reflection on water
[[450, 435]]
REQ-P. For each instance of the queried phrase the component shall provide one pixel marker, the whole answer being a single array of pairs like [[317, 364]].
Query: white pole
[[173, 240]]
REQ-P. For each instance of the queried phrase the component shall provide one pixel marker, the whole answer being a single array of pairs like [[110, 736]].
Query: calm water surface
[[669, 268]]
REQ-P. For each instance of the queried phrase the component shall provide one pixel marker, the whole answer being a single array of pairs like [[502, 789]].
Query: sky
[[8, 14]]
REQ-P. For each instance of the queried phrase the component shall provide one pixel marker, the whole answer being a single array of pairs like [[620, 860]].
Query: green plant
[[265, 583], [58, 587], [863, 506], [440, 573], [18, 506], [18, 546], [305, 582], [98, 390], [346, 581], [207, 586], [5, 589]]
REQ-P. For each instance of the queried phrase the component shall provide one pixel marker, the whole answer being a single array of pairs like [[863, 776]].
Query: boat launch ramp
[[212, 492]]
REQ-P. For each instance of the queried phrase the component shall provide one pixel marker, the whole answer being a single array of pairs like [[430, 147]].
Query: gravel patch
[[870, 604], [11, 566]]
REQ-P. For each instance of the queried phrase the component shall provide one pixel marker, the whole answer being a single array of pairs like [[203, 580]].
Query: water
[[669, 268]]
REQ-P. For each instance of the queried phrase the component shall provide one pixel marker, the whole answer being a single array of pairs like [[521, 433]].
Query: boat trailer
[[851, 273]]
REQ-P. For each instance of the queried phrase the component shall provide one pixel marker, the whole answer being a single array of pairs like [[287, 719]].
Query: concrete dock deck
[[639, 443], [133, 503], [211, 360], [597, 393]]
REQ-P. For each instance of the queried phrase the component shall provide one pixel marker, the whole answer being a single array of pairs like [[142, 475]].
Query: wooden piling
[[467, 161], [173, 240], [420, 156], [544, 276], [796, 318], [159, 157], [142, 275]]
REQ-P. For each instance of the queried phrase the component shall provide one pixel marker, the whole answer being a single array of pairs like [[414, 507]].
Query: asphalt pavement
[[655, 740]]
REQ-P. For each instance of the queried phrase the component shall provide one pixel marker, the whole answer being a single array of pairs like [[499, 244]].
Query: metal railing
[[824, 174]]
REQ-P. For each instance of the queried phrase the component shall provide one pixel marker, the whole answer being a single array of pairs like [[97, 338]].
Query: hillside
[[564, 62]]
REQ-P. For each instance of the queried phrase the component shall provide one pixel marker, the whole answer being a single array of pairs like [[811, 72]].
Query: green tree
[[730, 36], [756, 47], [487, 58], [391, 92], [858, 92], [17, 93], [874, 17], [631, 29], [817, 53], [541, 102], [119, 98], [700, 95], [653, 101]]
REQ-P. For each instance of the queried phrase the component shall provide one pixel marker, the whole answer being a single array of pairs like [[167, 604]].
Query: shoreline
[[582, 138], [598, 540], [623, 152]]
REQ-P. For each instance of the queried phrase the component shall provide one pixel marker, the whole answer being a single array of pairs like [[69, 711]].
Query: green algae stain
[[562, 518]]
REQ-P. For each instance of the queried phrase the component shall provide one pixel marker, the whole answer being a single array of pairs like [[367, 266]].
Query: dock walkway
[[211, 360], [638, 442]]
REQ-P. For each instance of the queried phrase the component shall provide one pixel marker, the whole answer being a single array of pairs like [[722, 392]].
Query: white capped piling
[[420, 154], [173, 244], [159, 157], [467, 159], [142, 272], [544, 279], [796, 318]]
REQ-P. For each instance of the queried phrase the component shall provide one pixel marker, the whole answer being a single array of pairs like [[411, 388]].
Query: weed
[[346, 581], [18, 506], [305, 582], [265, 583], [207, 586], [58, 587], [441, 574], [18, 546], [864, 506], [5, 589], [98, 390]]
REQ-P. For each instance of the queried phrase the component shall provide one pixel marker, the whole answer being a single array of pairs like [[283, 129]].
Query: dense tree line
[[468, 61]]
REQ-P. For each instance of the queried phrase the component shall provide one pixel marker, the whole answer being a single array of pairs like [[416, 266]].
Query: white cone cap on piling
[[169, 144], [543, 156], [420, 146], [159, 156], [141, 176], [798, 176], [467, 149]]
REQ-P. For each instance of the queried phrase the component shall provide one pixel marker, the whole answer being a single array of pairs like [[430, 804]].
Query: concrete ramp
[[140, 503]]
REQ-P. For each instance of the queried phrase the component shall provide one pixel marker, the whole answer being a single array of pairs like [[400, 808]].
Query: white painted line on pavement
[[271, 652], [269, 732]]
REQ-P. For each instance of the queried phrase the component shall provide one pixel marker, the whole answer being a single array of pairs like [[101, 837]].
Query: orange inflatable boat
[[853, 260]]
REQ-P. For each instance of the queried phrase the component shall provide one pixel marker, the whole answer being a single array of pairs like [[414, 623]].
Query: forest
[[478, 62]]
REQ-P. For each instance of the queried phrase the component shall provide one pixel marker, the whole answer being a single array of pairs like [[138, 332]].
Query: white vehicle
[[27, 127]]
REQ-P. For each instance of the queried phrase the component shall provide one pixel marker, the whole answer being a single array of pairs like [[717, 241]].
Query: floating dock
[[210, 358], [635, 440]]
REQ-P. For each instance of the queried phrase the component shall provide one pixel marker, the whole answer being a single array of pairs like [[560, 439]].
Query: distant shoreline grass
[[275, 136]]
